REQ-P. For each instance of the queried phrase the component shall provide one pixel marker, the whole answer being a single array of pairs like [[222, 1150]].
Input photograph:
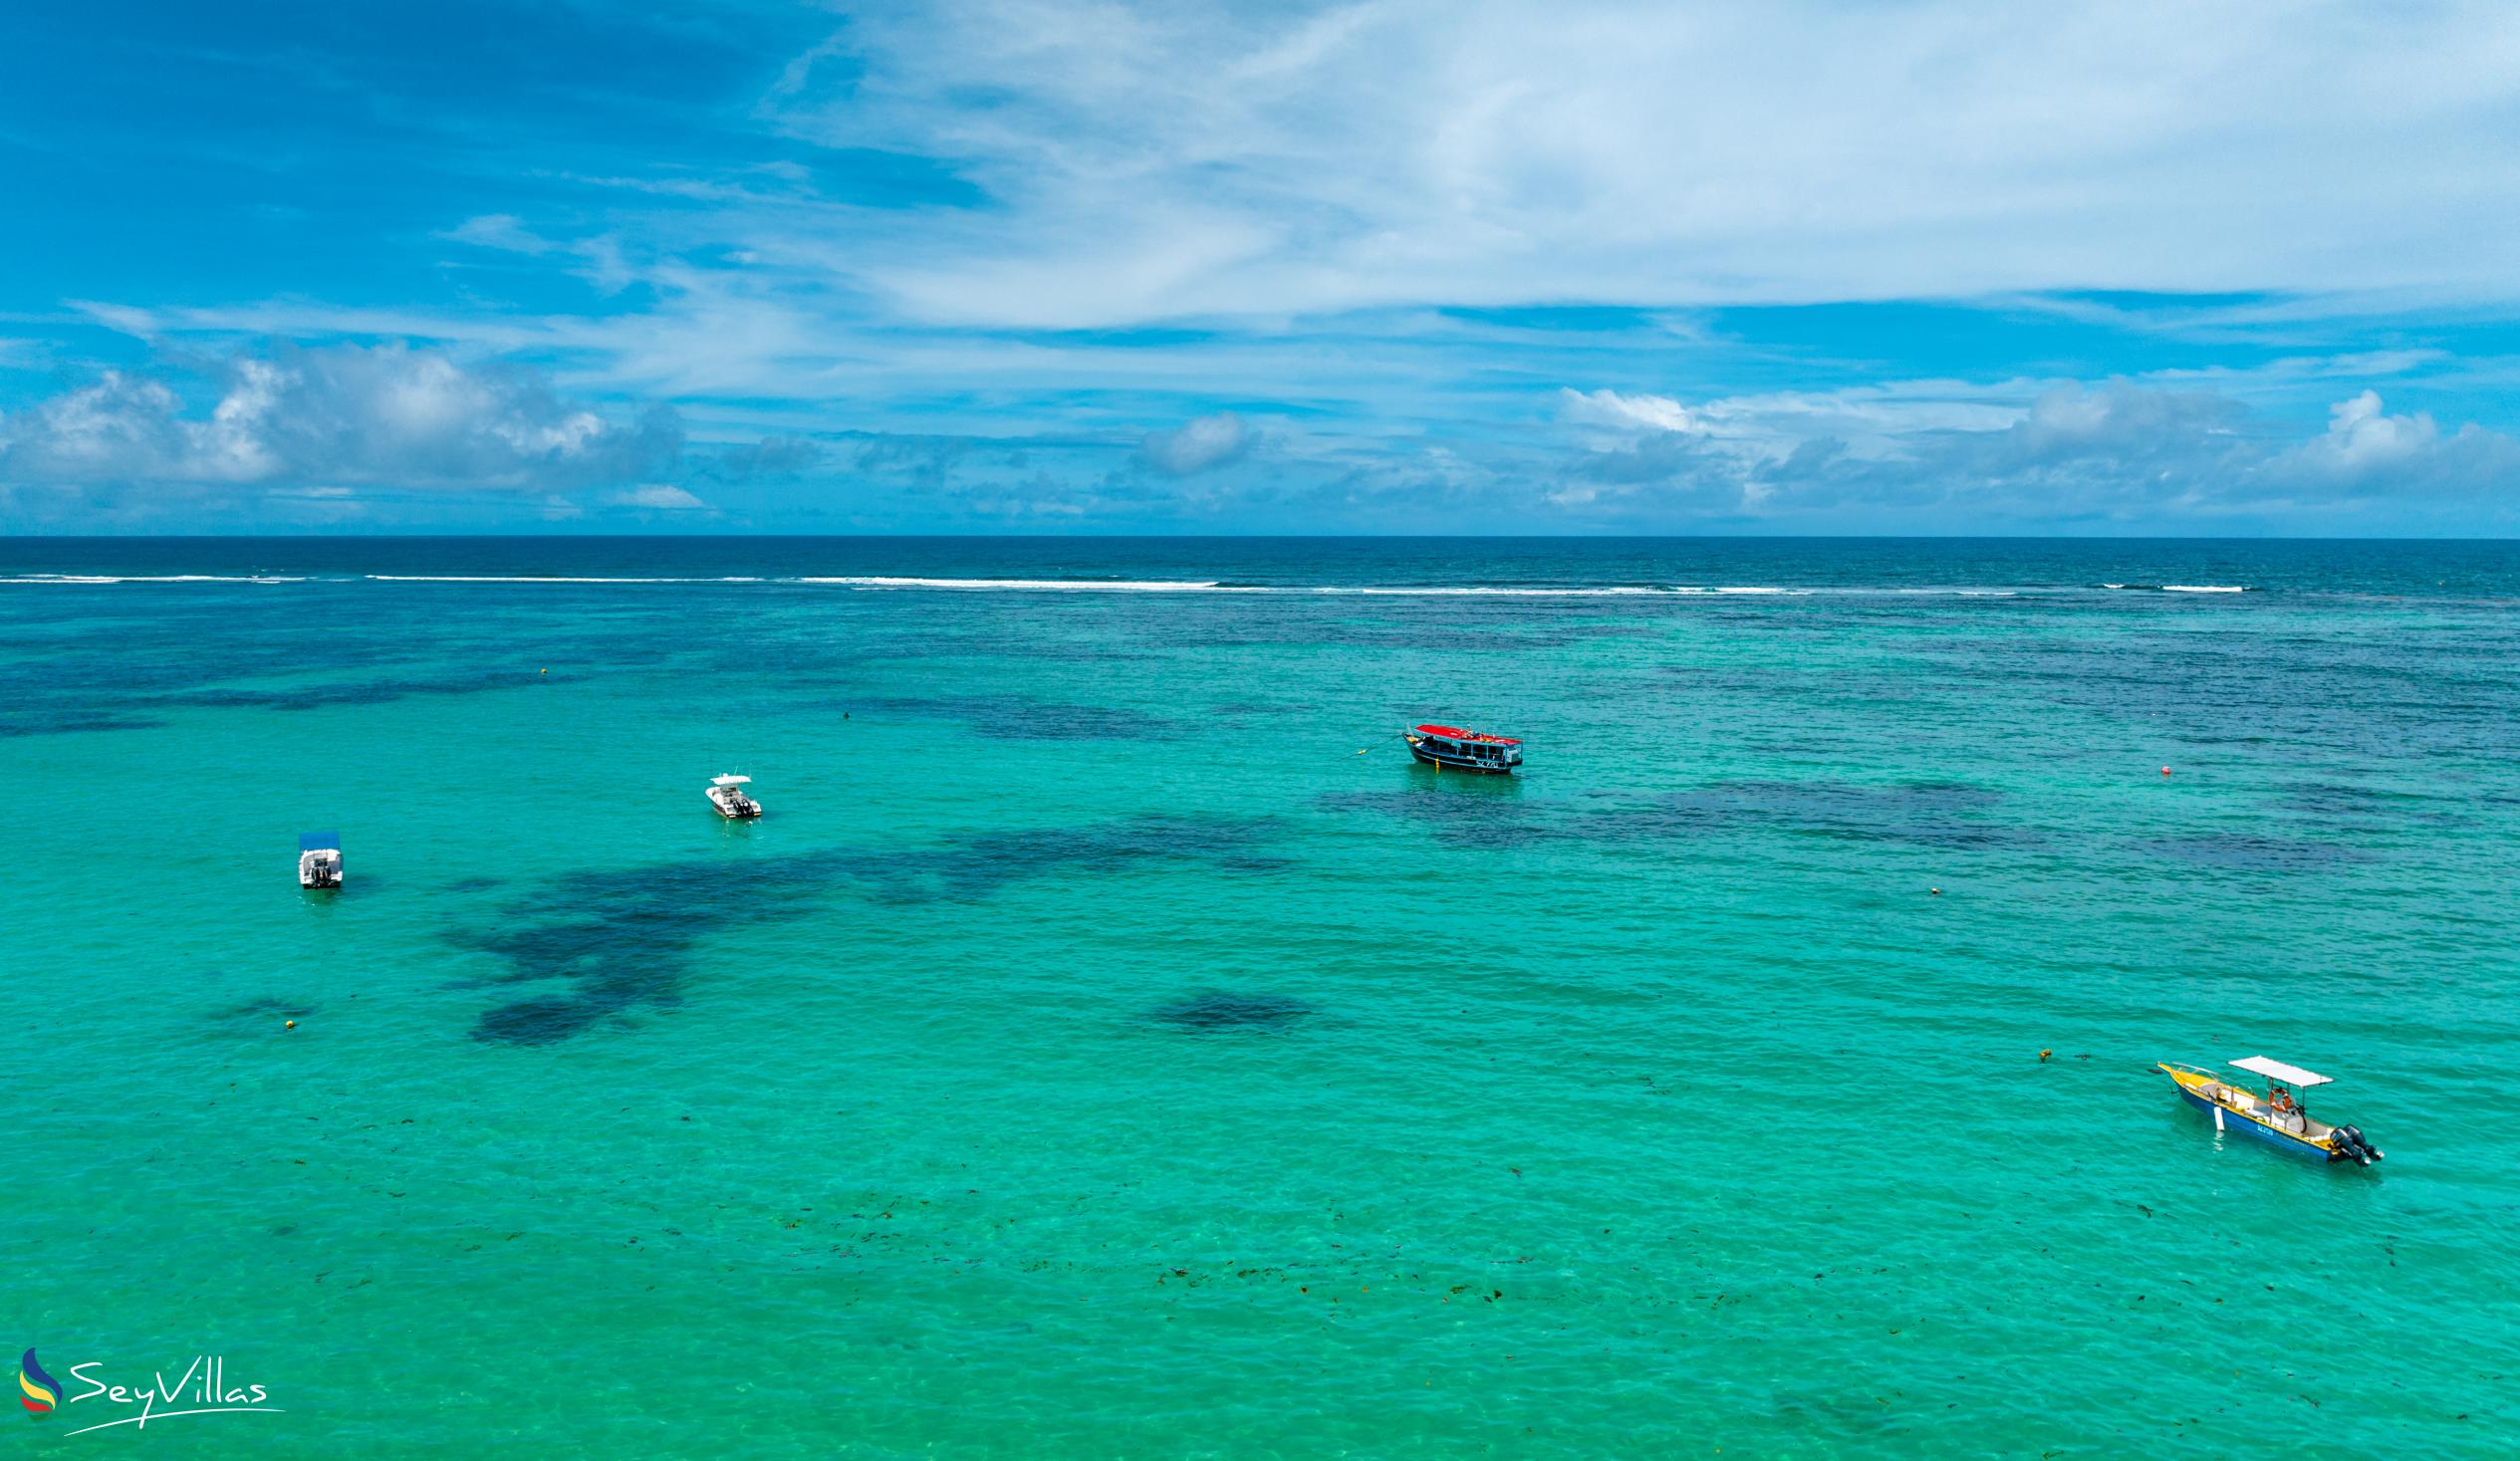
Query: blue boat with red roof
[[1451, 747]]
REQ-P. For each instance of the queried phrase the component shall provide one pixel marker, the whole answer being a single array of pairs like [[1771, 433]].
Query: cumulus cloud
[[2114, 454], [1197, 445], [2366, 449], [375, 414]]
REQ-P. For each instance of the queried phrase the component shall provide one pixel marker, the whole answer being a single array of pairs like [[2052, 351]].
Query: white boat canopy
[[728, 781], [2278, 1071]]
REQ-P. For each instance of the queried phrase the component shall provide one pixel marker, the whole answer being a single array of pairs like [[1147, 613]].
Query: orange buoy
[[2043, 1056], [289, 1024]]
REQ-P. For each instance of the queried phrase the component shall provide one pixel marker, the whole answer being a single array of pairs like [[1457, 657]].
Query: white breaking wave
[[1107, 586], [151, 578], [2180, 588], [1204, 585], [532, 578], [1477, 590], [878, 582]]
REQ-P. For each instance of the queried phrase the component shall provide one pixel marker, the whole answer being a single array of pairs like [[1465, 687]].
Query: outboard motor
[[2348, 1145]]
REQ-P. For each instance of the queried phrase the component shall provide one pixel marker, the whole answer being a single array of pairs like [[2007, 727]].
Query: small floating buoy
[[2043, 1056], [546, 671], [1937, 893], [2166, 770], [288, 1023]]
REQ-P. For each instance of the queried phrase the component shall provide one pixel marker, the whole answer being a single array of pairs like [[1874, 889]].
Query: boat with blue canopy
[[2276, 1116]]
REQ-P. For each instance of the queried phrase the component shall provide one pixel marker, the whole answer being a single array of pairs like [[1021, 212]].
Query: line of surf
[[151, 578], [903, 583], [1219, 585], [534, 579], [1044, 585]]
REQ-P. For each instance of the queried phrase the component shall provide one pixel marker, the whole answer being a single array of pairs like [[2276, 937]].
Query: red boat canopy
[[1456, 733]]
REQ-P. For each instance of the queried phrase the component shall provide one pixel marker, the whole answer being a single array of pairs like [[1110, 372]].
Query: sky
[[992, 266]]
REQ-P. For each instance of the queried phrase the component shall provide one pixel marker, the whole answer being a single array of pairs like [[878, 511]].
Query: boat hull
[[2249, 1127], [1459, 763], [2245, 1124]]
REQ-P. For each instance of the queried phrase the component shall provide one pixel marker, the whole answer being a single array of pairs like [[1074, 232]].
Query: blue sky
[[1380, 267]]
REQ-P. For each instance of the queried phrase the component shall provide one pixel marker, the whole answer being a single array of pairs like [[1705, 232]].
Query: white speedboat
[[726, 794], [319, 859]]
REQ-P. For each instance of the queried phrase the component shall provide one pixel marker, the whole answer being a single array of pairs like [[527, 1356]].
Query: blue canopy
[[319, 842]]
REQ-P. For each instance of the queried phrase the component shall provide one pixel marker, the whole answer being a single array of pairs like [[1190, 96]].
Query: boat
[[2278, 1117], [319, 859], [726, 794], [1464, 750]]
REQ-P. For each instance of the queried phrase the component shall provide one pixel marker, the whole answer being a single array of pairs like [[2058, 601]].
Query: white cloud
[[501, 231], [384, 414], [659, 496], [2365, 447], [2361, 438], [1609, 409], [1219, 159], [2117, 456], [1197, 445]]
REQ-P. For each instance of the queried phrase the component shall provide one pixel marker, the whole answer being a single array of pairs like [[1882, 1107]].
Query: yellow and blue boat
[[2277, 1116]]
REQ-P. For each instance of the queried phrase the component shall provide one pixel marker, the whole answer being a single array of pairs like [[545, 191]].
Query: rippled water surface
[[1110, 1044]]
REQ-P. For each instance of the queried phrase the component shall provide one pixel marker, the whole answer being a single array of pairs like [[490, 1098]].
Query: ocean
[[1111, 1044]]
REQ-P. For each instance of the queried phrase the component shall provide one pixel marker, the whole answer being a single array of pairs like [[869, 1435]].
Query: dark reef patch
[[350, 692], [1483, 814], [2332, 802], [1214, 1011], [1456, 635], [1045, 651], [1013, 717], [270, 1006], [73, 722], [979, 864], [475, 885], [1466, 811], [628, 938], [2256, 853], [1931, 814]]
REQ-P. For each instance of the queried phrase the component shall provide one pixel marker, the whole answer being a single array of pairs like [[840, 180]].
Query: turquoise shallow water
[[1092, 1054]]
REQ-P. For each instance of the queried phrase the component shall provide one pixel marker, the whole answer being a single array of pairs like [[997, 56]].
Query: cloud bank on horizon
[[993, 265]]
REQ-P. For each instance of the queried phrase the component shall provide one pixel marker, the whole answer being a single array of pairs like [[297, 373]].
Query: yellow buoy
[[289, 1024]]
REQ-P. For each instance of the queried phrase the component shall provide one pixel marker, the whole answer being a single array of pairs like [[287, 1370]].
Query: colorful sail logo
[[39, 1393]]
